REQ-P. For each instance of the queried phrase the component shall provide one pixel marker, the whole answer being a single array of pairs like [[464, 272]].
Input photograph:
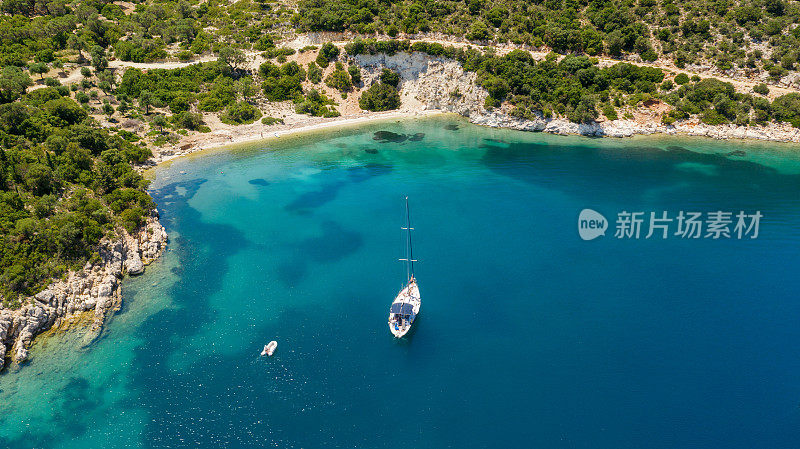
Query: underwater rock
[[388, 136]]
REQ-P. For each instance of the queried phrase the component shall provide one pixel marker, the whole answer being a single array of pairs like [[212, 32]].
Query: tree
[[145, 101], [160, 121], [107, 76], [390, 77], [107, 108], [39, 68], [327, 53], [65, 109], [232, 57], [479, 32], [245, 88], [99, 61], [355, 74], [13, 83], [380, 97], [681, 79], [188, 120], [314, 73], [240, 113], [339, 79]]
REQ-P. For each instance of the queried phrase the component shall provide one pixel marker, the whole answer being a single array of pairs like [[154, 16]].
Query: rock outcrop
[[96, 287], [435, 83]]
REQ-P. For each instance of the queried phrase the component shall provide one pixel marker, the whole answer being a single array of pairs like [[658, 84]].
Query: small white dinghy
[[270, 348]]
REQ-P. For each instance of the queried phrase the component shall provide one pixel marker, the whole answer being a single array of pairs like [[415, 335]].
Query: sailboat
[[405, 307]]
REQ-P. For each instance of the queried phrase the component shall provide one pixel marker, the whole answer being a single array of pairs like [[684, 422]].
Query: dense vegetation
[[64, 184], [576, 88], [728, 33], [382, 96]]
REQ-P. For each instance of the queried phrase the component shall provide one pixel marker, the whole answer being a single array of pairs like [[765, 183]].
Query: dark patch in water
[[738, 153], [204, 250], [417, 137], [388, 136], [371, 150], [292, 272], [334, 244], [616, 169], [259, 182], [315, 199], [307, 202], [367, 171], [451, 127], [340, 145], [71, 405]]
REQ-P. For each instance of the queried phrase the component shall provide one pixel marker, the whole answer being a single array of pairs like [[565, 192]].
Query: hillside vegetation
[[76, 118], [751, 35]]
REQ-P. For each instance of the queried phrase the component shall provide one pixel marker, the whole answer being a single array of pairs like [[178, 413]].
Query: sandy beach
[[256, 132]]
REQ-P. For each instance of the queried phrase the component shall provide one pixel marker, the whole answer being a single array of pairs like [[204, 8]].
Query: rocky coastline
[[434, 83], [427, 85], [95, 288]]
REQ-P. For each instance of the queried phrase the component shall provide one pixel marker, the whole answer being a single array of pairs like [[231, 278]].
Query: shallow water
[[528, 335]]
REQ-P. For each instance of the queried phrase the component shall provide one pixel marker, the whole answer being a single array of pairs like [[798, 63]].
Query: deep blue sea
[[528, 335]]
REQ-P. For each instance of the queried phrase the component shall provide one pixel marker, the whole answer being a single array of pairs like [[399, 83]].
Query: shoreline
[[618, 129], [424, 88], [265, 133]]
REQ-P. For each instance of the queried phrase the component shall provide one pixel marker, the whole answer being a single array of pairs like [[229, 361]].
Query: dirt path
[[117, 64]]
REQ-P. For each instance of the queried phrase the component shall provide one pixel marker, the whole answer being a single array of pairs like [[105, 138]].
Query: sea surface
[[528, 336]]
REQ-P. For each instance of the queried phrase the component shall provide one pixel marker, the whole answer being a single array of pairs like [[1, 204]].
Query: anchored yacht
[[405, 307]]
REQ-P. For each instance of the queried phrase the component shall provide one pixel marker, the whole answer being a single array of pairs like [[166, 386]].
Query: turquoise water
[[528, 336]]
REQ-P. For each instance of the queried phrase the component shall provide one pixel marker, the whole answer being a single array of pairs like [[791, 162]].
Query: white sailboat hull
[[404, 309]]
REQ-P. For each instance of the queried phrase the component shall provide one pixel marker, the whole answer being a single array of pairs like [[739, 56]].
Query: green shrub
[[339, 79], [609, 111], [355, 74], [712, 117], [786, 108], [271, 121], [278, 52], [240, 113], [380, 97], [327, 53], [314, 73], [390, 77], [82, 97], [761, 89], [188, 120], [316, 104]]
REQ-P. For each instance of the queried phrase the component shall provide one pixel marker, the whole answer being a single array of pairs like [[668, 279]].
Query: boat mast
[[409, 249]]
